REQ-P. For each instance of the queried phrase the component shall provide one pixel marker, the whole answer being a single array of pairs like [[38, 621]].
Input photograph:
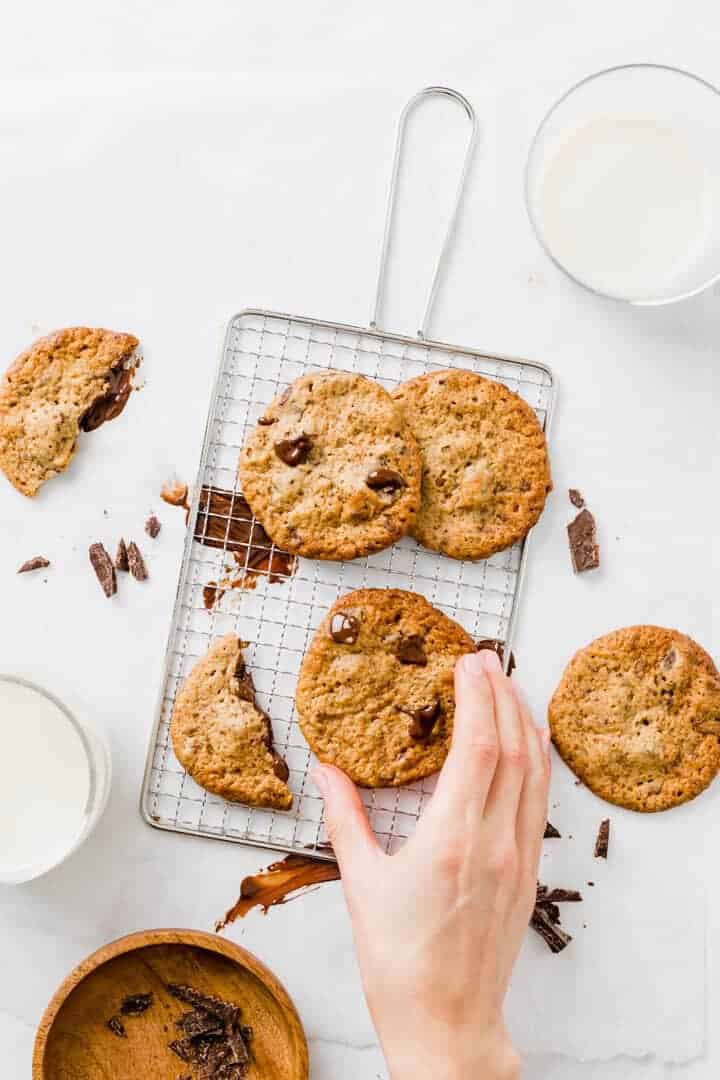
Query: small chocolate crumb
[[38, 563], [344, 629], [103, 566], [153, 526], [576, 498], [116, 1026], [584, 547], [294, 451], [136, 1004], [591, 884], [603, 840], [498, 647], [411, 650], [136, 562], [551, 833], [386, 480], [423, 721], [121, 557]]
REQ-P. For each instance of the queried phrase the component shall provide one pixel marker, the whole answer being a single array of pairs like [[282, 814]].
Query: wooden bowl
[[73, 1041]]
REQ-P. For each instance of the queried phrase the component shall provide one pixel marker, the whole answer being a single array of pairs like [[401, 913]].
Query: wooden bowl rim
[[141, 939]]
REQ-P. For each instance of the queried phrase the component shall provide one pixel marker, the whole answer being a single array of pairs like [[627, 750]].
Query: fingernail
[[319, 779], [472, 664], [489, 660]]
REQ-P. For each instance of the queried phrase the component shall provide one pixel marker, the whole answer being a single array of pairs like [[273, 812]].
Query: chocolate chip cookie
[[485, 463], [72, 381], [637, 717], [221, 736], [375, 694], [331, 471]]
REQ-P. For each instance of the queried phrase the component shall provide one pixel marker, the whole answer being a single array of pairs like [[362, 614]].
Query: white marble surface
[[229, 207]]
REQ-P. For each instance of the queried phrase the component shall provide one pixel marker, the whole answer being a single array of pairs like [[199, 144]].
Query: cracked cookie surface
[[636, 716], [375, 694], [331, 470]]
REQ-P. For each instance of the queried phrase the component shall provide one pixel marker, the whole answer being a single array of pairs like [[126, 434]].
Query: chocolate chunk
[[576, 498], [603, 840], [497, 647], [280, 767], [136, 562], [551, 833], [584, 547], [222, 1010], [38, 563], [423, 721], [199, 1022], [152, 526], [266, 421], [557, 896], [117, 1027], [135, 1004], [411, 650], [184, 1049], [103, 566], [110, 404], [121, 557], [345, 629], [554, 937], [385, 480], [293, 451]]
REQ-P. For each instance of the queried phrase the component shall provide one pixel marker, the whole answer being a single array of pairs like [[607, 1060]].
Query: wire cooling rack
[[264, 352]]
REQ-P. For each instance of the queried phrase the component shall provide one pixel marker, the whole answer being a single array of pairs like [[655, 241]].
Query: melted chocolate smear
[[497, 647], [344, 629], [112, 402], [225, 521], [277, 883], [385, 480], [411, 650], [212, 594], [294, 451], [603, 840], [584, 547], [423, 721]]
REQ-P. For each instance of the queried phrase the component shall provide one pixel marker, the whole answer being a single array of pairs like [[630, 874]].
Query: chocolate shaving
[[576, 498], [110, 404], [277, 884], [423, 721], [103, 566], [294, 451], [153, 526], [121, 557], [603, 840], [344, 629], [386, 480], [136, 562], [411, 650], [584, 547], [38, 563], [117, 1027], [136, 1004], [551, 833], [498, 647]]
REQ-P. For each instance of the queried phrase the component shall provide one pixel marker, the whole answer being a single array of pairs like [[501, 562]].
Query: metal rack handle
[[429, 91]]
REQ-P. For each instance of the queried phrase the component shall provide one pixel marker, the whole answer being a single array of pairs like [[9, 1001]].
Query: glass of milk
[[623, 183], [54, 784]]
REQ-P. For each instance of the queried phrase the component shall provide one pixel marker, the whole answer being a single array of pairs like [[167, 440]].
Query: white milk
[[625, 203], [44, 782]]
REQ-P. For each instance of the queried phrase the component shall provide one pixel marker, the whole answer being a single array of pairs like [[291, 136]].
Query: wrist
[[494, 1059]]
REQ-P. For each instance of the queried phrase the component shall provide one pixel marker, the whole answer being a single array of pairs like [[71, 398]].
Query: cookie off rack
[[263, 353]]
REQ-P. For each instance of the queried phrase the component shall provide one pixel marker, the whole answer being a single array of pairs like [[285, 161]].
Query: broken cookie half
[[71, 381], [222, 737]]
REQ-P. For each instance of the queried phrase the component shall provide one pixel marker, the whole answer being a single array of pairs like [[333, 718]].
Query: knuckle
[[503, 861], [485, 751], [515, 757]]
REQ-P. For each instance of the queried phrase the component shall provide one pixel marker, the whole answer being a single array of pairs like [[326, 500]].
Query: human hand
[[439, 925]]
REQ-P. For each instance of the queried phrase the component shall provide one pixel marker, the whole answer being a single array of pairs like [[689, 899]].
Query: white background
[[281, 206]]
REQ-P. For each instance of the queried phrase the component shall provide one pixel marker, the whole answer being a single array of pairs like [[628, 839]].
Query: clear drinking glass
[[622, 183]]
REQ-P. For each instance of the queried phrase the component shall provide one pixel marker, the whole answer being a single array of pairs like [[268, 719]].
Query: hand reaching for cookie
[[438, 926]]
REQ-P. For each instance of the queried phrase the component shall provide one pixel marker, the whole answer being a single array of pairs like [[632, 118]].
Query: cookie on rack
[[375, 695], [486, 472], [71, 381], [637, 718], [331, 470], [222, 738]]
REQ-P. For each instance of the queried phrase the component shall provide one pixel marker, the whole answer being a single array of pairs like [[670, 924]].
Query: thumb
[[346, 819]]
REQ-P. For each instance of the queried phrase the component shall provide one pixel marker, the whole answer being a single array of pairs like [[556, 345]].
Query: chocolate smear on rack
[[603, 840], [136, 1004], [551, 833], [584, 547], [411, 650], [102, 564], [110, 404], [117, 1027], [422, 721], [386, 480], [153, 525], [38, 563], [344, 629], [225, 521], [294, 451], [121, 557], [497, 646], [576, 498], [279, 883], [136, 562], [212, 594]]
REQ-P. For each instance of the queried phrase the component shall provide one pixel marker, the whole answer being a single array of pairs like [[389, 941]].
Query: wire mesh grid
[[262, 354]]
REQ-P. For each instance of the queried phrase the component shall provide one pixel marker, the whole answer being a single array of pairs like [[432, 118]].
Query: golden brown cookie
[[375, 694], [637, 717], [72, 381], [221, 736], [486, 472], [331, 470]]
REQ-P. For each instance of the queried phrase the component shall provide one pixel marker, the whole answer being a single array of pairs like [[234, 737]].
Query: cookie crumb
[[603, 840], [37, 563], [102, 564], [121, 557], [153, 526], [175, 493], [136, 562], [584, 547]]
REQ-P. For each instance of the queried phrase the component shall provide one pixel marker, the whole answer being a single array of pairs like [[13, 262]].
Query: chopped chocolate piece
[[135, 1004], [199, 1022], [423, 721], [277, 883], [184, 1049], [280, 767], [222, 1010], [113, 401], [294, 451], [117, 1027], [558, 896], [576, 498], [603, 840], [386, 480], [153, 526], [121, 557], [499, 648], [103, 566], [175, 493], [345, 629], [584, 547], [266, 421], [554, 937], [136, 562], [551, 833], [411, 650], [38, 563]]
